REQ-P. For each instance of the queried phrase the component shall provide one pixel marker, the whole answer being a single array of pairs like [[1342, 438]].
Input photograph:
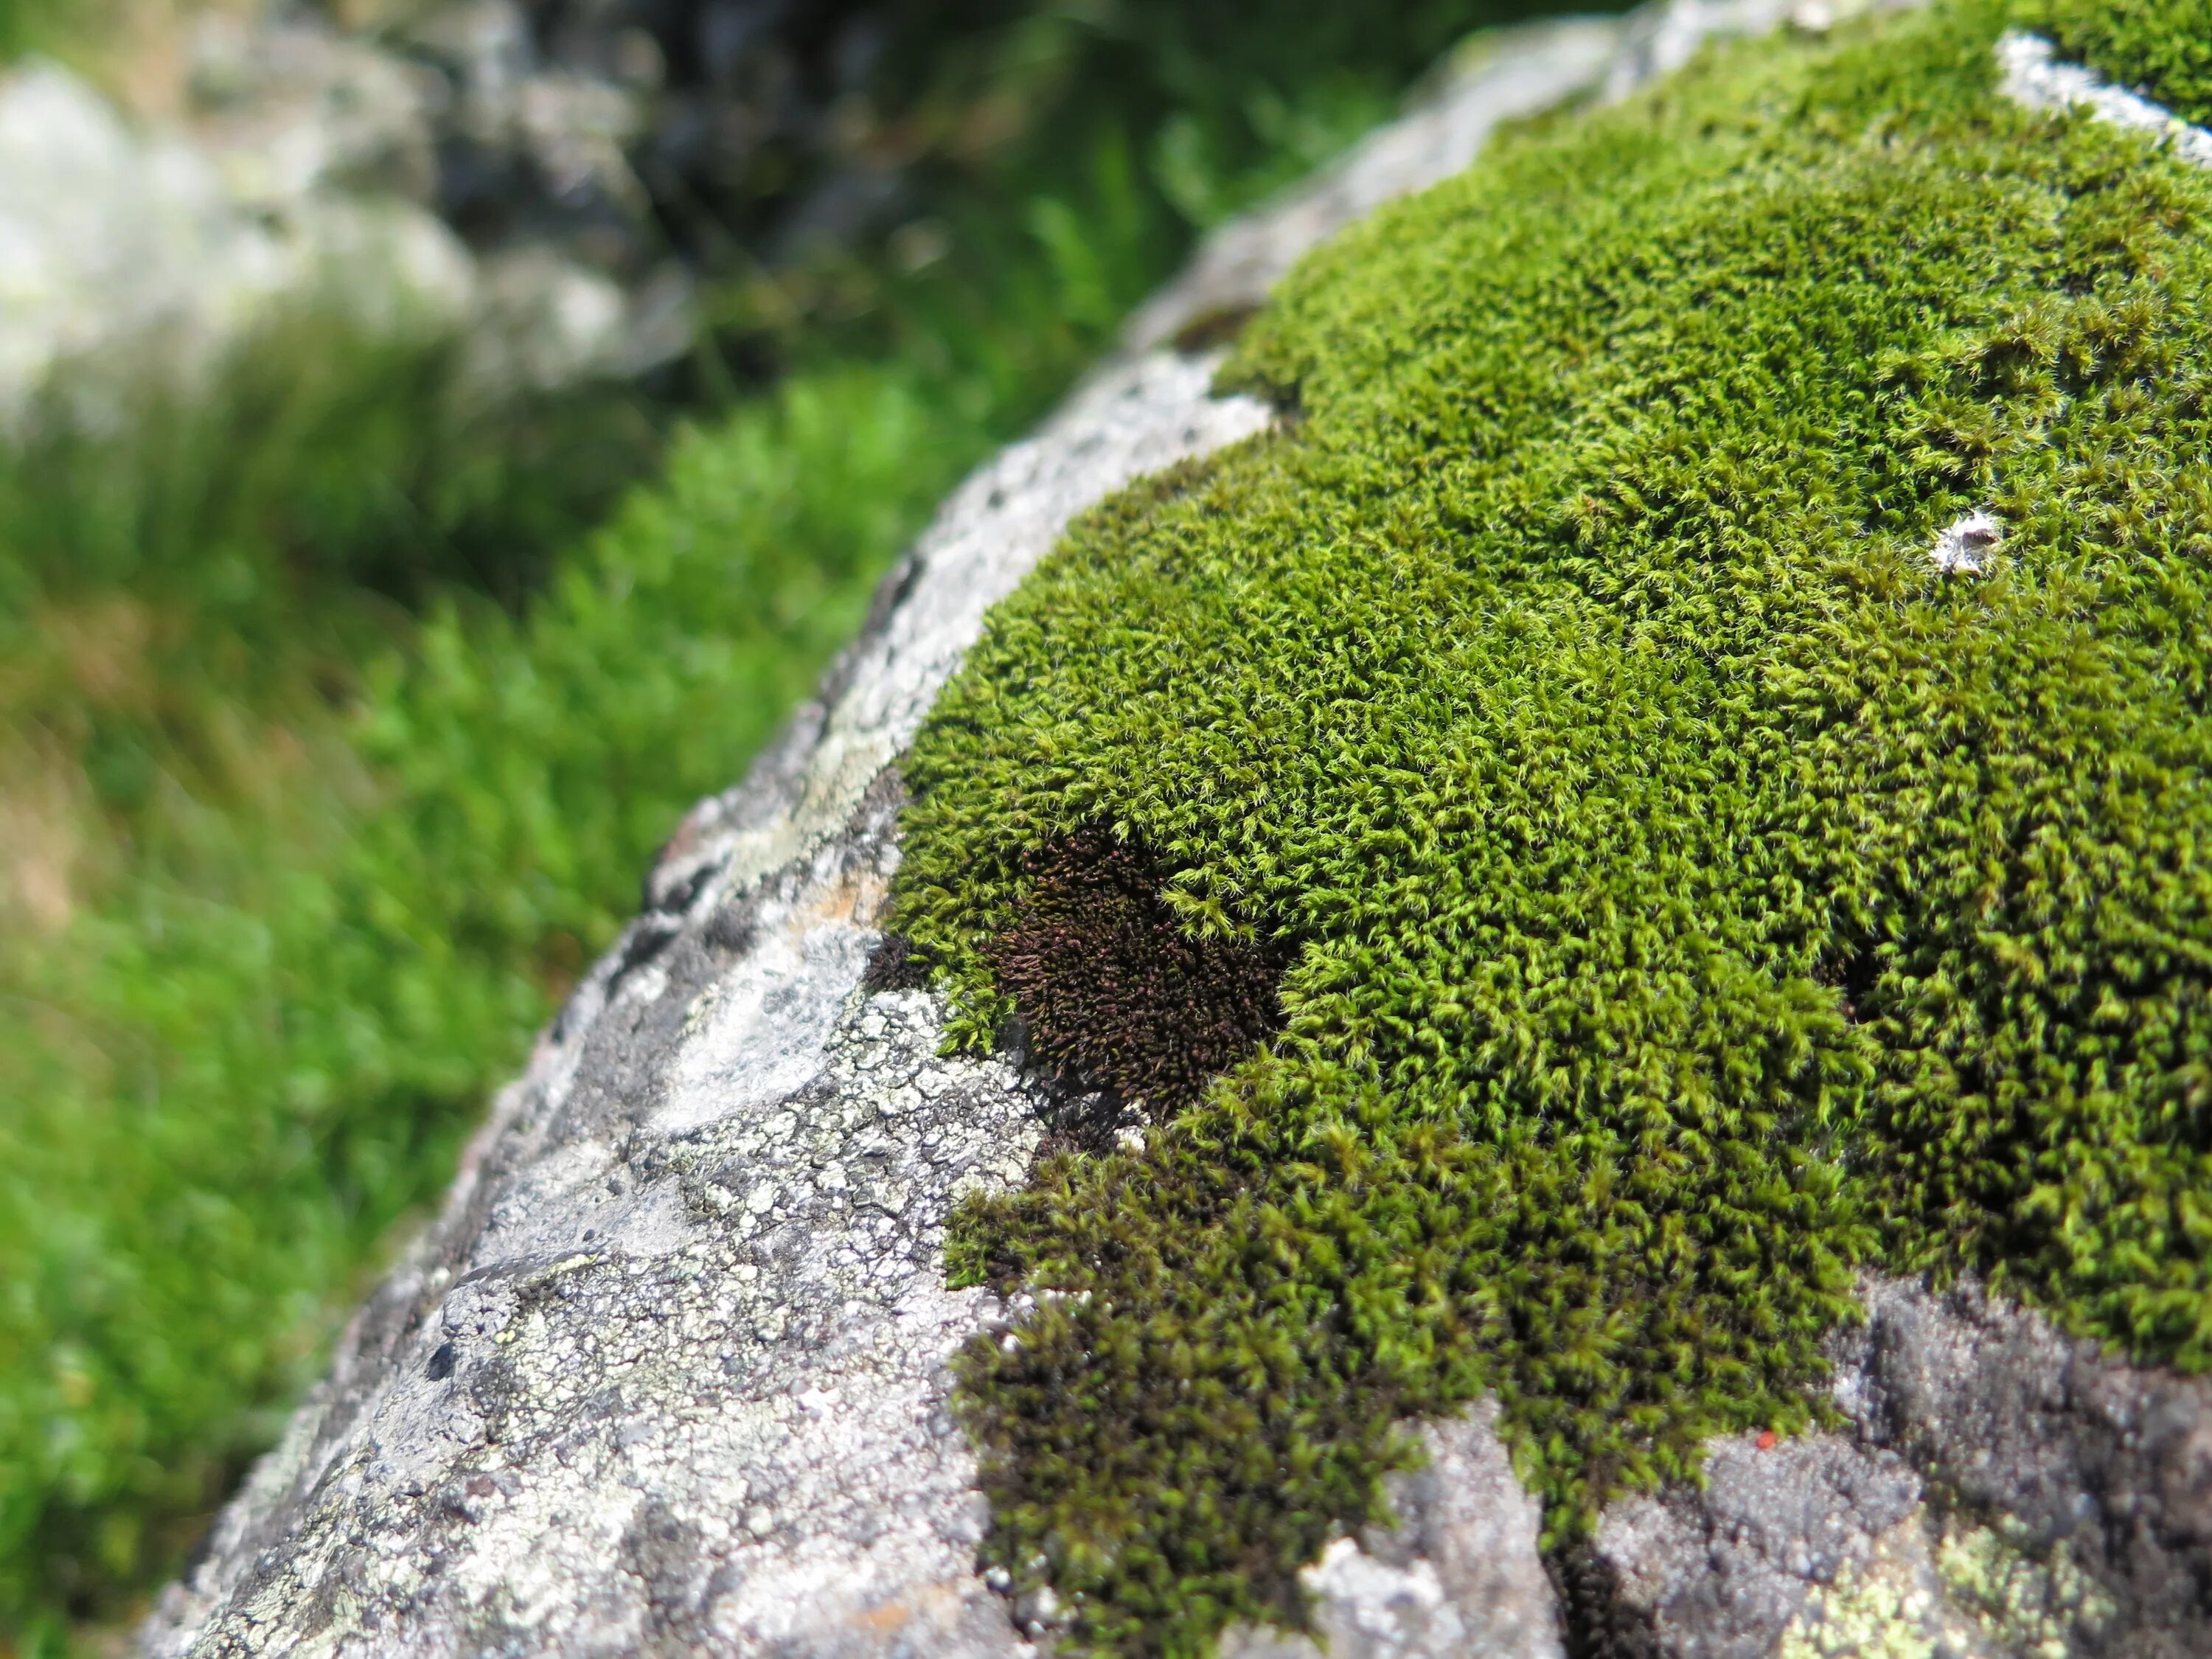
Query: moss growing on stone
[[1693, 892], [2160, 48]]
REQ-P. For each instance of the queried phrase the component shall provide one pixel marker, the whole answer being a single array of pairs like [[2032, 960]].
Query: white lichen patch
[[2046, 1607], [1950, 1590], [672, 1370], [739, 1445]]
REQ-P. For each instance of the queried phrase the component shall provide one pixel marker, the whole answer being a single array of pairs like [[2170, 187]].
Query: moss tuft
[[1114, 994], [1699, 892]]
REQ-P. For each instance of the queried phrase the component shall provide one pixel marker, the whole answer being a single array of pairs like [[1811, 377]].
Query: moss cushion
[[1685, 891]]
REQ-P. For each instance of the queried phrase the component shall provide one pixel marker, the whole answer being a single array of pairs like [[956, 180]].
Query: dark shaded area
[[893, 966], [1599, 1623], [1853, 972], [1113, 995], [778, 125], [1212, 330]]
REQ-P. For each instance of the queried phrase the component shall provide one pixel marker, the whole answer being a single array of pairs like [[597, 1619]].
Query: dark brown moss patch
[[1114, 995], [893, 966]]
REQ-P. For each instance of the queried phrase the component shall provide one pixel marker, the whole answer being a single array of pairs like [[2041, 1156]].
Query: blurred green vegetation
[[86, 34], [30, 25], [338, 717]]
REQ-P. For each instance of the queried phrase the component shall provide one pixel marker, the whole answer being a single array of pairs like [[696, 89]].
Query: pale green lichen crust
[[1692, 889], [1953, 1591]]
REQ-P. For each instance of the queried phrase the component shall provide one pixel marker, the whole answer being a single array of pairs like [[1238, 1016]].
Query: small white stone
[[1812, 16], [2032, 75], [1968, 546]]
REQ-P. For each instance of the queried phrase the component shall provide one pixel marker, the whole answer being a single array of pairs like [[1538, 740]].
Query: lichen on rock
[[670, 1373], [1972, 1594], [2160, 48]]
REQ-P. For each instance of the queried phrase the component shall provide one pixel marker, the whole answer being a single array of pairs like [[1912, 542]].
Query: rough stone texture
[[1722, 1572], [2007, 1416], [1459, 1576], [1519, 72], [113, 238], [1500, 76], [293, 165], [667, 1376], [1937, 1585], [1998, 1488], [669, 1372]]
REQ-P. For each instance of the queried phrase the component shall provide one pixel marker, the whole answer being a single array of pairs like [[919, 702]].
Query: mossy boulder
[[1550, 998], [1705, 688]]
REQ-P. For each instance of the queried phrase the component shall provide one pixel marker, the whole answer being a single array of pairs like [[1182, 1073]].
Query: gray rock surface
[[1724, 1571], [1515, 73], [2030, 72], [295, 166], [669, 1372], [1501, 77], [1458, 1578], [1998, 1489]]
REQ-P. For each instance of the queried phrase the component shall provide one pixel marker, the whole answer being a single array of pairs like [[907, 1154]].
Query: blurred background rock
[[439, 440]]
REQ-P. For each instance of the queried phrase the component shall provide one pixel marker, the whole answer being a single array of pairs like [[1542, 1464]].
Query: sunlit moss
[[1692, 892]]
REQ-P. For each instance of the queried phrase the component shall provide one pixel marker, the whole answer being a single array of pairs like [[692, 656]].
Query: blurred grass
[[333, 739], [42, 25]]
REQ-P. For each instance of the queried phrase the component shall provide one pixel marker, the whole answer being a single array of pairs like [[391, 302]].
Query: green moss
[[331, 863], [2161, 48], [1693, 893]]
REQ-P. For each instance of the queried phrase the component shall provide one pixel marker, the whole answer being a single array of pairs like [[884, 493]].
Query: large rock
[[123, 246], [669, 1373], [284, 164]]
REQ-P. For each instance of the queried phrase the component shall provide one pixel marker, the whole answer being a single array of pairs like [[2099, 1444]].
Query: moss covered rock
[[1644, 808], [1705, 690]]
